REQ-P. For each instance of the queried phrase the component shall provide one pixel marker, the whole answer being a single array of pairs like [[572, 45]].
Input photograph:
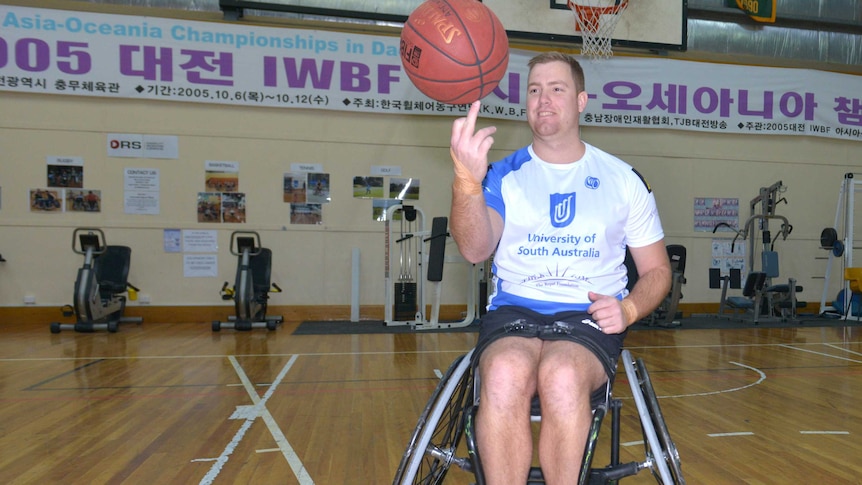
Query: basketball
[[454, 51]]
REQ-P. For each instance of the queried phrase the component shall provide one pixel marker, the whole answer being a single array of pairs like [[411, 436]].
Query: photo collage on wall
[[306, 192], [221, 201], [385, 195], [64, 190]]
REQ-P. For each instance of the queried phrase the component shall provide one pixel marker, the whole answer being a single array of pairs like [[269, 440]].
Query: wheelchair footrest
[[613, 473]]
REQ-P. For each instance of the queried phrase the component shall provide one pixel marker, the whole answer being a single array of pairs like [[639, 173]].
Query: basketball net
[[596, 21]]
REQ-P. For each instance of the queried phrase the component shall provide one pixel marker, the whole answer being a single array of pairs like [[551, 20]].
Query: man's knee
[[507, 370]]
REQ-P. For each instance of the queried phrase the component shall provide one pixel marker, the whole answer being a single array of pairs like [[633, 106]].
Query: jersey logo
[[562, 209], [592, 183]]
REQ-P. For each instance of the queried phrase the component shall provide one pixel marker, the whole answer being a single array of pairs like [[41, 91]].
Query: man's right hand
[[469, 149]]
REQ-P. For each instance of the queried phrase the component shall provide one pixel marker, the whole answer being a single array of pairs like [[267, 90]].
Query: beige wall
[[313, 263]]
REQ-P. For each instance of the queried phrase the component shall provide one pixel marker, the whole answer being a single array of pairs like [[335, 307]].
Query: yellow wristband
[[464, 182], [629, 311]]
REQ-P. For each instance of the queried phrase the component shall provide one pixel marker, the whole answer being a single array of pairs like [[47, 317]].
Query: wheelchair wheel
[[668, 447], [432, 447], [661, 451]]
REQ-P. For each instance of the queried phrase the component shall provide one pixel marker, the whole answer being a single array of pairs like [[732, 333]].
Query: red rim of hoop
[[592, 14]]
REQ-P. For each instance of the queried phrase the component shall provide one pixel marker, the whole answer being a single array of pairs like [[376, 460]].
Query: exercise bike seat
[[112, 270], [260, 266]]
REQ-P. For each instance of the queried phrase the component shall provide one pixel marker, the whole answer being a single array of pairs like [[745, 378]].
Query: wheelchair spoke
[[670, 452], [434, 443], [654, 450]]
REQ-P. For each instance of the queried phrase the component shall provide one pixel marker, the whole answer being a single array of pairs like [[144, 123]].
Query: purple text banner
[[91, 54]]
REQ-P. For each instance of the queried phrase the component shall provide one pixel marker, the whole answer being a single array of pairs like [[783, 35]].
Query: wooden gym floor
[[179, 404]]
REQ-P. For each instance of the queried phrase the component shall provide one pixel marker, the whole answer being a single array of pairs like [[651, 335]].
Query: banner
[[760, 10], [176, 61]]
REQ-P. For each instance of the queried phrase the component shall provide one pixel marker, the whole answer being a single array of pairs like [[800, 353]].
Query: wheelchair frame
[[448, 416]]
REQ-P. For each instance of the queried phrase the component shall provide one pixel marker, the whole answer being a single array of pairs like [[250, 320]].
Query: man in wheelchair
[[557, 216]]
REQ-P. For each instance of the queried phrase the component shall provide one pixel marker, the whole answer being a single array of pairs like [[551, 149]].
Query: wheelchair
[[252, 286], [99, 302], [450, 413]]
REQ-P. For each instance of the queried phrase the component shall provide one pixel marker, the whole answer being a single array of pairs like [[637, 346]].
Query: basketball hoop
[[596, 21]]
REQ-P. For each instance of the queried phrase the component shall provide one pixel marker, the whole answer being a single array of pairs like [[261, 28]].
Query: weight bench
[[781, 297], [752, 292]]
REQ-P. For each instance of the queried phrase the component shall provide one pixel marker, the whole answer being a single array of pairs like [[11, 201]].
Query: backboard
[[646, 24]]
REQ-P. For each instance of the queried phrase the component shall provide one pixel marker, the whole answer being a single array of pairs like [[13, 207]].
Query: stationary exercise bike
[[99, 302], [252, 286]]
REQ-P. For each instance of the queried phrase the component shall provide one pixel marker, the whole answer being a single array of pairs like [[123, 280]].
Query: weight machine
[[760, 294], [404, 286], [252, 286], [841, 245], [99, 302]]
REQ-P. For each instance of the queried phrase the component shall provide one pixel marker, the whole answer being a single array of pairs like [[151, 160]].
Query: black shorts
[[578, 327]]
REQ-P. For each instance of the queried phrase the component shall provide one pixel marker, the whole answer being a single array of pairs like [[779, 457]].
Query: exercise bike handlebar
[[94, 234], [236, 240]]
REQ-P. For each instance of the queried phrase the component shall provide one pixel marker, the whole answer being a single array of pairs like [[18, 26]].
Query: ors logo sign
[[125, 145]]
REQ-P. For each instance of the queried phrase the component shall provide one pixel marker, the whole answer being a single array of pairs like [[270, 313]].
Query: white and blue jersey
[[566, 228]]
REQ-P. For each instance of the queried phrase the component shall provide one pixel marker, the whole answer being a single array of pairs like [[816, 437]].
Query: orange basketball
[[454, 51]]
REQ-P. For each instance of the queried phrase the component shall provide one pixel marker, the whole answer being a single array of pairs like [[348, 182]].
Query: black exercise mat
[[338, 327], [706, 322]]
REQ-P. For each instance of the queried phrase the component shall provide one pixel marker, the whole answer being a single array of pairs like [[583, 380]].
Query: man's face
[[554, 105]]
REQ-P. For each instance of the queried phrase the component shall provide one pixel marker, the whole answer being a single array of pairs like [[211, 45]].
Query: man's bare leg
[[508, 373], [568, 374]]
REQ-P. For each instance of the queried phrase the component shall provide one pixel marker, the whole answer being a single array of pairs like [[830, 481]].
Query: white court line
[[260, 407], [722, 435], [844, 350], [760, 372], [824, 432], [412, 352], [823, 354]]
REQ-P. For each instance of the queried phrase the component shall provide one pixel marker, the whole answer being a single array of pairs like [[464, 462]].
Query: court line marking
[[738, 433], [722, 391], [412, 352], [261, 411], [823, 354], [844, 349], [825, 432]]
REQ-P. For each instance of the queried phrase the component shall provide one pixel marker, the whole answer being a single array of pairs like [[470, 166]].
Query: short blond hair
[[555, 56]]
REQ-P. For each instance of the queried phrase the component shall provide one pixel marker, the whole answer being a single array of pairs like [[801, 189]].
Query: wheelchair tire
[[668, 447], [657, 457], [431, 450]]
